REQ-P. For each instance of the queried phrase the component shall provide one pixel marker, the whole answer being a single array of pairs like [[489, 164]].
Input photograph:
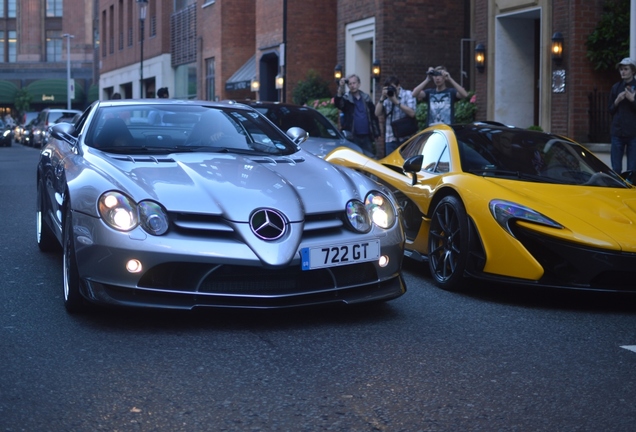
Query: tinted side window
[[436, 156], [416, 146]]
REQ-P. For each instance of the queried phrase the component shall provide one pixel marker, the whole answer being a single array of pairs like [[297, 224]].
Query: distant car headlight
[[505, 211], [153, 218], [380, 208], [6, 133], [118, 211], [358, 217]]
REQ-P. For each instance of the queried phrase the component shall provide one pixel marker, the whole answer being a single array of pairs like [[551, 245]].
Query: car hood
[[598, 215], [234, 185]]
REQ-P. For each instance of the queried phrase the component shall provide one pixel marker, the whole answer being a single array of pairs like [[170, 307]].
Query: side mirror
[[297, 135], [413, 165], [64, 131]]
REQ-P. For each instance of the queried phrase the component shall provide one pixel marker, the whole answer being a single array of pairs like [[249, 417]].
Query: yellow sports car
[[490, 201]]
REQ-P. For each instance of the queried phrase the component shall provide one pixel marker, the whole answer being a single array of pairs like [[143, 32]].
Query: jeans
[[366, 144], [623, 146]]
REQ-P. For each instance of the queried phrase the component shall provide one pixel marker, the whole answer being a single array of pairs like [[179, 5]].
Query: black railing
[[600, 119]]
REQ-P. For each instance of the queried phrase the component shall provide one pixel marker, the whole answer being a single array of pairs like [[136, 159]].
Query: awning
[[53, 91], [7, 92], [242, 78]]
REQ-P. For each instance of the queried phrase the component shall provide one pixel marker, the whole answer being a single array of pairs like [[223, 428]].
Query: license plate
[[341, 254]]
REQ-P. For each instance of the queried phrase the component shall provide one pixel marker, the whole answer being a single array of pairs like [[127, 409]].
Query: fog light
[[133, 266], [383, 261]]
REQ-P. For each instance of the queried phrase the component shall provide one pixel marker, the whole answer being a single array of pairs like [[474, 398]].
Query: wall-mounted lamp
[[337, 73], [557, 47], [255, 85], [375, 69], [480, 57], [280, 81]]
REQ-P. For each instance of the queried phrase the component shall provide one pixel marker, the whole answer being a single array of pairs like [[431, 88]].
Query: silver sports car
[[181, 204]]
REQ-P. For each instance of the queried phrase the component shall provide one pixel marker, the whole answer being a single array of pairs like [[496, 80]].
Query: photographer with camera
[[396, 105], [359, 116], [441, 99]]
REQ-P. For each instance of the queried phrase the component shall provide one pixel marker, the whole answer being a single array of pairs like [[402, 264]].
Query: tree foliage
[[609, 42], [313, 87], [22, 101]]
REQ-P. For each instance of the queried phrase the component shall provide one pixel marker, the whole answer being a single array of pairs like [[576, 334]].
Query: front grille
[[578, 266], [254, 281]]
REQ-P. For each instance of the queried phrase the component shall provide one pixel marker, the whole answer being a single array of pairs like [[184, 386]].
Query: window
[[186, 81], [11, 8], [12, 51], [434, 148], [53, 8], [53, 46], [2, 46], [209, 79]]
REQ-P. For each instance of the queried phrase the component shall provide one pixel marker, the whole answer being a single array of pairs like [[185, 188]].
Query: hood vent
[[142, 159]]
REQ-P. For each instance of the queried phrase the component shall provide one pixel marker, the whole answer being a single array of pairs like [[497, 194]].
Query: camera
[[390, 91], [434, 73], [347, 82]]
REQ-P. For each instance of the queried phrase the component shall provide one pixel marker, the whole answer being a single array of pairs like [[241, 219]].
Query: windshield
[[168, 128], [535, 156]]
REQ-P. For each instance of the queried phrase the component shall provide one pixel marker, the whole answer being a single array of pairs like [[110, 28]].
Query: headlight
[[505, 211], [153, 218], [121, 213], [358, 217], [118, 211], [381, 210]]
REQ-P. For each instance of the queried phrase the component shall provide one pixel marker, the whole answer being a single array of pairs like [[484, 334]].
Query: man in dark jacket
[[359, 113], [622, 107]]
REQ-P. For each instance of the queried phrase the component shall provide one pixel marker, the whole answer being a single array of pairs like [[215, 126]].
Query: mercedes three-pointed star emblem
[[268, 224]]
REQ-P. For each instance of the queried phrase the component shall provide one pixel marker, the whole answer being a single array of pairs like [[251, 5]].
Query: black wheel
[[448, 243], [73, 300], [46, 239]]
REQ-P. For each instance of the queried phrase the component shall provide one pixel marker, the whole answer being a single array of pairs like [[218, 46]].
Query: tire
[[448, 244], [73, 300], [45, 237]]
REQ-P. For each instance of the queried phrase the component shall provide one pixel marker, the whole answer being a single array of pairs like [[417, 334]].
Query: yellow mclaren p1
[[490, 201]]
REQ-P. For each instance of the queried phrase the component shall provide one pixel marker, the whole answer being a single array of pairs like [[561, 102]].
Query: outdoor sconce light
[[375, 69], [280, 81], [480, 57], [557, 47], [255, 85], [337, 73]]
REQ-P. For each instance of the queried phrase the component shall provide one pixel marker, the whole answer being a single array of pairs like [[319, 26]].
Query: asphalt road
[[497, 359]]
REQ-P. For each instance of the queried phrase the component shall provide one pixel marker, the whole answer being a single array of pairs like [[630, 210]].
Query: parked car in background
[[48, 117], [21, 126], [511, 205], [324, 136], [213, 206], [6, 134]]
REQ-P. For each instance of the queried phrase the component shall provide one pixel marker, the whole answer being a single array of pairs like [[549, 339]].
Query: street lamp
[[143, 5], [68, 69]]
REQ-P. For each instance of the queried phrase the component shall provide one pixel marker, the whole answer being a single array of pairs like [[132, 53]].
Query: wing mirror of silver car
[[298, 135], [64, 131]]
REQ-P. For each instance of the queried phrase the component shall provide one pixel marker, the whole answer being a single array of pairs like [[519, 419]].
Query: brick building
[[34, 48], [215, 49], [522, 85]]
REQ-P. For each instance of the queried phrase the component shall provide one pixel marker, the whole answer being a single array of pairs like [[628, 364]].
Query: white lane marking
[[629, 347]]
